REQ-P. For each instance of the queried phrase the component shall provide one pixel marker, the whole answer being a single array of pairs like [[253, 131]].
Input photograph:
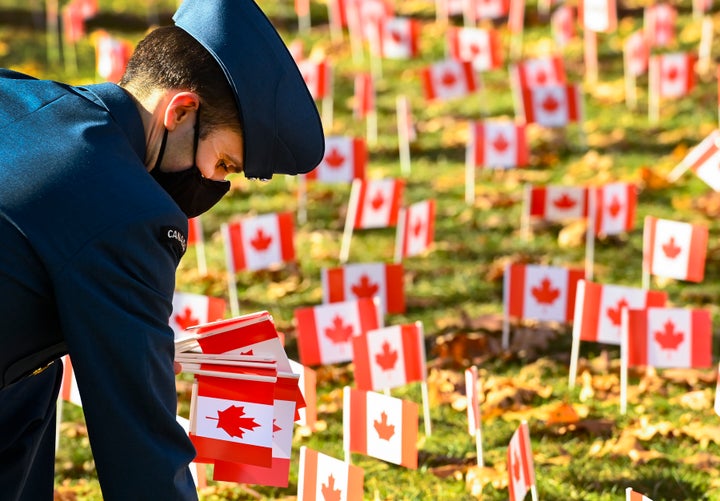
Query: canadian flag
[[537, 71], [521, 470], [599, 15], [318, 77], [400, 38], [345, 159], [631, 495], [674, 249], [371, 15], [68, 386], [482, 47], [259, 242], [636, 53], [545, 293], [366, 280], [704, 160], [558, 203], [676, 73], [473, 400], [614, 208], [195, 231], [498, 143], [489, 9], [325, 331], [553, 105], [670, 337], [380, 426], [562, 25], [389, 357], [307, 383], [323, 477], [448, 79], [193, 309], [232, 420], [378, 203], [416, 230], [598, 308], [364, 102], [659, 24], [277, 473], [73, 22], [112, 55]]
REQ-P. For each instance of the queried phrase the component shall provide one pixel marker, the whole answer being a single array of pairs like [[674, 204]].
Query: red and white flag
[[416, 230], [545, 293], [599, 15], [371, 15], [232, 420], [674, 249], [323, 477], [195, 231], [520, 466], [557, 203], [277, 473], [598, 308], [389, 357], [659, 24], [194, 309], [480, 46], [307, 383], [497, 143], [488, 9], [676, 73], [259, 242], [380, 426], [112, 55], [537, 71], [345, 159], [378, 203], [473, 400], [364, 101], [631, 495], [614, 208], [68, 386], [562, 25], [704, 160], [317, 76], [553, 105], [448, 79], [400, 38], [366, 280], [670, 337], [636, 53], [325, 331]]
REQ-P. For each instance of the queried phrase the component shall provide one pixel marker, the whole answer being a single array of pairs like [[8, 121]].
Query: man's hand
[[177, 367]]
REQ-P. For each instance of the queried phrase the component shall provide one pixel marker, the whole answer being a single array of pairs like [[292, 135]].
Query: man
[[96, 184]]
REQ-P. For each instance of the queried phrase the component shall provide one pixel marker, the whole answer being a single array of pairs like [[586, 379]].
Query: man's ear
[[181, 107]]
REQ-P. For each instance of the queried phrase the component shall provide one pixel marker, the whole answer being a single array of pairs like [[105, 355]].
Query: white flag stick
[[426, 408], [350, 220], [302, 199], [200, 249], [624, 349], [400, 235], [506, 305], [705, 46], [577, 326], [630, 83], [654, 91], [346, 423], [230, 267], [590, 234], [371, 127], [470, 167], [402, 114], [717, 392], [525, 215], [591, 56], [471, 381]]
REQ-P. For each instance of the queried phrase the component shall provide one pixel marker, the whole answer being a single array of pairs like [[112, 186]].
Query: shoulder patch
[[175, 237]]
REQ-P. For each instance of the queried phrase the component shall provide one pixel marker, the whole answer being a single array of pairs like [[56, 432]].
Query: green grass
[[455, 286]]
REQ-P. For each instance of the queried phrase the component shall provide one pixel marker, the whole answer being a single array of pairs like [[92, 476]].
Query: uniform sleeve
[[114, 300]]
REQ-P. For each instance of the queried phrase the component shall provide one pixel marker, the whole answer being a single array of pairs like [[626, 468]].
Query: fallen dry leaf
[[563, 413], [477, 478]]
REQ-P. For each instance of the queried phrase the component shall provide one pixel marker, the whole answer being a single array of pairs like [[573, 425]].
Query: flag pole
[[654, 90], [577, 325], [327, 101], [350, 220], [402, 118], [624, 349], [423, 384], [630, 82], [400, 235], [590, 233], [525, 215], [230, 267], [506, 314], [470, 166], [346, 424]]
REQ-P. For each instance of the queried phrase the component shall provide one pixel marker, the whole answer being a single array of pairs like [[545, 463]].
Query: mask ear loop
[[163, 143]]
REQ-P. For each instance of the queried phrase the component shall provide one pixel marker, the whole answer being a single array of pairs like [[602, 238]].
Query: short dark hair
[[169, 58]]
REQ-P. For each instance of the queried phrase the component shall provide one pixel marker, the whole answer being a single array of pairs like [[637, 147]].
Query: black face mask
[[193, 193]]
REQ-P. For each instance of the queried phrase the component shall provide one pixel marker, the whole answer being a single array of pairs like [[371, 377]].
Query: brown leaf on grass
[[703, 461], [703, 434], [698, 400], [690, 377], [496, 270], [460, 349], [644, 429], [562, 413], [495, 200], [572, 235], [443, 386], [530, 341], [626, 445], [652, 180], [477, 478]]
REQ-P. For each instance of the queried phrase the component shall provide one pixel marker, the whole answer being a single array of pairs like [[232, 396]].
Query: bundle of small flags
[[245, 398]]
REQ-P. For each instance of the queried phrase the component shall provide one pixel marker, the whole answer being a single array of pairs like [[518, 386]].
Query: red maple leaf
[[377, 200], [396, 36], [339, 332], [334, 159], [615, 206], [275, 426], [417, 227], [614, 313], [545, 294], [329, 492], [670, 249], [365, 288], [500, 143], [671, 73], [564, 202], [261, 241], [669, 338], [249, 352], [475, 50], [234, 423], [387, 358], [516, 465], [550, 104], [384, 430], [541, 76], [448, 79], [186, 319]]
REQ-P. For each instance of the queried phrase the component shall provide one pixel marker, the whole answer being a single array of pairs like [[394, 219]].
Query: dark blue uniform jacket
[[89, 248]]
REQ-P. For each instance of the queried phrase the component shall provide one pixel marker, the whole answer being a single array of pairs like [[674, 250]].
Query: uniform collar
[[123, 110]]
